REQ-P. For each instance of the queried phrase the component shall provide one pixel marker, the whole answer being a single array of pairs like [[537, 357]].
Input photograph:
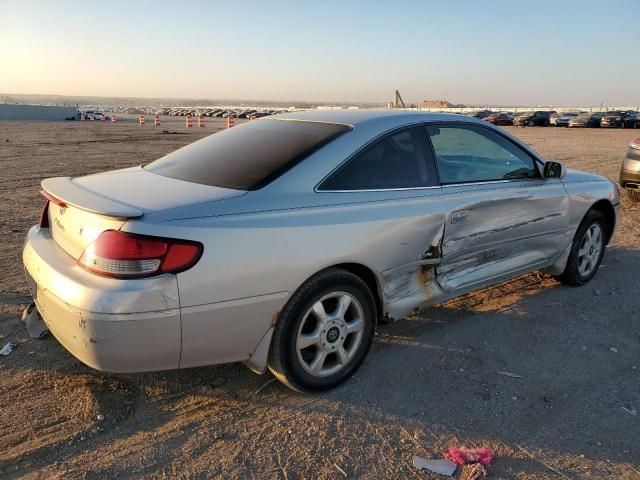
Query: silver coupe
[[283, 241]]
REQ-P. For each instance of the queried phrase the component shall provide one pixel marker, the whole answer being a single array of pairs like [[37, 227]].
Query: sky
[[542, 52]]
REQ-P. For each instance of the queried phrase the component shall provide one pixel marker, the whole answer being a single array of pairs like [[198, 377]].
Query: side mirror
[[554, 170]]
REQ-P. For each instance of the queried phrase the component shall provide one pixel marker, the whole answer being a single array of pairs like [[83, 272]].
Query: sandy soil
[[429, 382]]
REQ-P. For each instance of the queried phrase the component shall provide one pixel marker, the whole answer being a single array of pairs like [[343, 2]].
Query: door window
[[466, 153], [400, 160]]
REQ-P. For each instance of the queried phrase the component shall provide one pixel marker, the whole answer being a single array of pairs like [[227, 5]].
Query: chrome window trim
[[512, 180], [397, 189]]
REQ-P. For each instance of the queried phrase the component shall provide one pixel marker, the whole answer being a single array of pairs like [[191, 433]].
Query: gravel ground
[[429, 382]]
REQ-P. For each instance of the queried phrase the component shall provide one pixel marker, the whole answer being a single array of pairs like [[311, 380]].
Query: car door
[[501, 217]]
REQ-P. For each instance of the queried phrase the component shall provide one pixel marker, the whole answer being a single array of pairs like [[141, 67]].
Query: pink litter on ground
[[462, 455]]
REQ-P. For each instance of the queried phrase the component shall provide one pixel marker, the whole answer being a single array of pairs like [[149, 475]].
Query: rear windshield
[[249, 156]]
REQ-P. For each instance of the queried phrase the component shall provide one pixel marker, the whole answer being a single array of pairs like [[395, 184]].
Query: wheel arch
[[606, 208], [367, 275]]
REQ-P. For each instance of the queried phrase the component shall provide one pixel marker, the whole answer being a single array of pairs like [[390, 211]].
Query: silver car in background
[[564, 119], [630, 170], [283, 241]]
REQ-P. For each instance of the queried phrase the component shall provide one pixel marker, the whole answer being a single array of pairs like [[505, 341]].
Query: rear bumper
[[108, 324], [138, 325], [629, 177]]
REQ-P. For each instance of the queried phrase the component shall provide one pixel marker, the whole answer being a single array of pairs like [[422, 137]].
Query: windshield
[[615, 113], [527, 114], [249, 156], [569, 114], [584, 115]]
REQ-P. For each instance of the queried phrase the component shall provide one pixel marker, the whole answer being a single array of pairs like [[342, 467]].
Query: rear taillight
[[635, 144], [128, 255]]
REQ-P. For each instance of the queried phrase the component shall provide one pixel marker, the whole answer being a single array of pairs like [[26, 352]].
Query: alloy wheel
[[590, 248], [330, 333]]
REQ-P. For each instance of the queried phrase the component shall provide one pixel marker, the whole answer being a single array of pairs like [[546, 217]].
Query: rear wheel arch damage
[[292, 354], [257, 362]]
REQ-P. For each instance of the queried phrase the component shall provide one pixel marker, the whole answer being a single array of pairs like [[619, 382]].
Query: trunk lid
[[87, 206]]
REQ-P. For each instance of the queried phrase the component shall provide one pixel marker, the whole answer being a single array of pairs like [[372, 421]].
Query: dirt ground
[[429, 382]]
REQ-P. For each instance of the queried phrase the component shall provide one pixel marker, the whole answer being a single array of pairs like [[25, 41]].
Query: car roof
[[358, 116]]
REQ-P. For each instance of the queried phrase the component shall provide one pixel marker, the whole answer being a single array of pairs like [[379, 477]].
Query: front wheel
[[324, 332], [531, 123], [587, 250]]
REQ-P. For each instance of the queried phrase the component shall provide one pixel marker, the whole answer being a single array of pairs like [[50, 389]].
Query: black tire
[[571, 274], [532, 123], [284, 360]]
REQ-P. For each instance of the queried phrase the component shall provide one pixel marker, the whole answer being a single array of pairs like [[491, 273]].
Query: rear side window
[[400, 160], [466, 153], [249, 156]]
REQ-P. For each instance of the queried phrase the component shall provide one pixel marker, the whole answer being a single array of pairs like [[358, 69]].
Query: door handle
[[459, 216]]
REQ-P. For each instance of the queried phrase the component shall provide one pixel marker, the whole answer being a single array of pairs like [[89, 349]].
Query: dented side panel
[[495, 229]]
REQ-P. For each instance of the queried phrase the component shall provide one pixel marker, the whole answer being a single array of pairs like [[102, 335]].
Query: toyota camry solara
[[283, 241]]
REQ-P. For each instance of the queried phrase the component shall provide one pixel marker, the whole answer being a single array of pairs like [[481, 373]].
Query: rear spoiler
[[68, 192]]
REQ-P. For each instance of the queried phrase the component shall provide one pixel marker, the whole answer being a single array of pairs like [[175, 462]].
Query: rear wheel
[[587, 250], [324, 332], [531, 123]]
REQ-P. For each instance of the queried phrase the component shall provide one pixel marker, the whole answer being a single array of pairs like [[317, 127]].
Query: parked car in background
[[128, 280], [553, 119], [533, 119], [501, 119], [586, 119], [482, 114], [630, 169], [620, 119], [563, 118]]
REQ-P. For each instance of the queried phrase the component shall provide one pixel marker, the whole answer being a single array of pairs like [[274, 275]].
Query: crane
[[397, 101]]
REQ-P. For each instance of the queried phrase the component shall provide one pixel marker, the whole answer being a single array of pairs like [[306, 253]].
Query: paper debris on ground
[[464, 455], [7, 349], [441, 466]]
